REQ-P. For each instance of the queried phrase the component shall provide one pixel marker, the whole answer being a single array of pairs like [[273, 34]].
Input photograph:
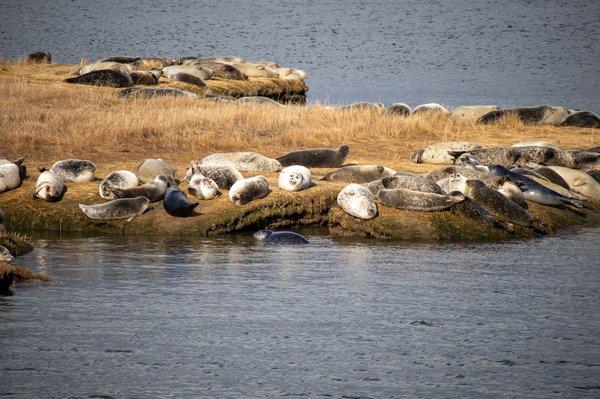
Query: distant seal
[[176, 203], [280, 237], [101, 66], [150, 92], [154, 191], [75, 170], [202, 187], [255, 70], [359, 173], [119, 179], [579, 181], [38, 57], [243, 161], [5, 255], [259, 100], [512, 191], [250, 189], [581, 119], [551, 175], [537, 143], [270, 64], [173, 73], [430, 107], [400, 109], [150, 168], [486, 156], [146, 77], [316, 157], [287, 73], [49, 186], [415, 183], [472, 112], [295, 178], [437, 153], [123, 59], [153, 63], [468, 173], [106, 77], [544, 114], [356, 200], [219, 69], [226, 59], [376, 107], [401, 198], [220, 99], [188, 78], [11, 174], [122, 208], [224, 175]]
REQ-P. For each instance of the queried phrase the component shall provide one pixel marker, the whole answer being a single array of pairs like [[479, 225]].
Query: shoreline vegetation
[[45, 120]]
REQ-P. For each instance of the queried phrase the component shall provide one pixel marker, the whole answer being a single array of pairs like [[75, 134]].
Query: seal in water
[[11, 174], [400, 109], [316, 157], [437, 153], [430, 107], [246, 190], [5, 255], [243, 161], [402, 198], [149, 92], [39, 57], [176, 203], [75, 170], [203, 188], [358, 201], [294, 178], [49, 186], [106, 77], [154, 191], [122, 208], [224, 175], [415, 183], [119, 179], [581, 119], [512, 191], [150, 168], [579, 181], [359, 173], [280, 237], [146, 77]]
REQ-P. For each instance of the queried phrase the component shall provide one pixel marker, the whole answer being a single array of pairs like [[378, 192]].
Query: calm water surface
[[171, 317], [504, 52]]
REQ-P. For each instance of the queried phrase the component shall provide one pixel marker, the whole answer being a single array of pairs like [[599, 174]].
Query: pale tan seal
[[579, 181], [148, 169], [430, 107], [100, 66], [437, 153], [246, 190], [246, 161], [472, 112], [153, 63], [356, 200], [256, 70]]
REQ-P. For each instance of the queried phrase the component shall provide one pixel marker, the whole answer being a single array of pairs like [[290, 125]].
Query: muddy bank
[[313, 207]]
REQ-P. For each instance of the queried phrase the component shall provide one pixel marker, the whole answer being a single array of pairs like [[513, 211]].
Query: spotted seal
[[105, 77], [400, 109], [12, 174], [294, 178], [469, 173], [243, 161], [176, 203], [5, 255], [415, 183], [280, 237], [49, 186], [154, 191], [223, 175], [581, 119], [151, 92], [259, 100], [246, 190], [544, 114], [75, 170], [219, 69], [100, 66], [123, 59], [359, 173], [430, 107], [402, 198], [316, 157], [122, 208], [438, 153], [148, 169], [120, 179], [38, 57], [356, 200], [202, 187]]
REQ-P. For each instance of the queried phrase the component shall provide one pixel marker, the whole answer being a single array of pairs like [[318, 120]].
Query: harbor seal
[[75, 170], [5, 255], [203, 188], [472, 112], [255, 70], [122, 208], [38, 57], [402, 198], [549, 174], [316, 157], [120, 179], [250, 189], [400, 109], [430, 107], [172, 71], [189, 78], [150, 92], [259, 100], [154, 191], [359, 173], [223, 175], [544, 114], [153, 63], [357, 201], [579, 181], [375, 107], [468, 173], [225, 59], [49, 186], [485, 156], [150, 168], [415, 183], [512, 191], [581, 119], [535, 143], [176, 203], [219, 69], [467, 160], [123, 59], [243, 161], [294, 178], [105, 77], [279, 237], [594, 173], [437, 153], [146, 77], [472, 210], [288, 73], [12, 174], [101, 66]]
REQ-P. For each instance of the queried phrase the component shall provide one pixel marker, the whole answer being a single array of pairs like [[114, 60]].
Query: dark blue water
[[501, 52], [132, 317]]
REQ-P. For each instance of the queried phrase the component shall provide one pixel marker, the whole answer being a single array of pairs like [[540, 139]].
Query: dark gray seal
[[280, 237], [39, 57], [581, 119], [400, 109], [316, 157], [104, 77], [177, 204], [219, 69], [123, 59], [415, 183], [529, 116]]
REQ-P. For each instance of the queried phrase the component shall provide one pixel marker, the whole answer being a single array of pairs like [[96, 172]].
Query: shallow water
[[175, 317], [455, 52]]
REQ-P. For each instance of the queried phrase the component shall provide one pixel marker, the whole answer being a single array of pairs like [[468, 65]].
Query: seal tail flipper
[[326, 177], [190, 208], [456, 154], [572, 201], [19, 161]]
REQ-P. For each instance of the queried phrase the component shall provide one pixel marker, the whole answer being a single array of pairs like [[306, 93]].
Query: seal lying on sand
[[154, 191], [437, 153], [122, 208], [359, 173], [11, 174], [279, 237], [243, 161], [472, 112], [171, 72], [356, 200], [219, 69], [153, 63], [250, 189], [101, 66], [150, 168], [177, 204], [149, 92], [294, 178], [579, 181], [430, 107], [203, 188], [401, 198], [581, 119], [189, 78], [75, 170], [469, 173], [123, 59], [256, 70], [316, 157], [400, 109], [39, 57], [119, 179], [105, 77], [49, 186], [146, 77], [224, 175], [415, 183]]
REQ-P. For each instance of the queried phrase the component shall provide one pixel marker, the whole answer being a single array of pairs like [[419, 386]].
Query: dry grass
[[45, 120]]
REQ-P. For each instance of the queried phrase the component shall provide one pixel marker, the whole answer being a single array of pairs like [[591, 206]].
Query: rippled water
[[455, 52], [173, 317]]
